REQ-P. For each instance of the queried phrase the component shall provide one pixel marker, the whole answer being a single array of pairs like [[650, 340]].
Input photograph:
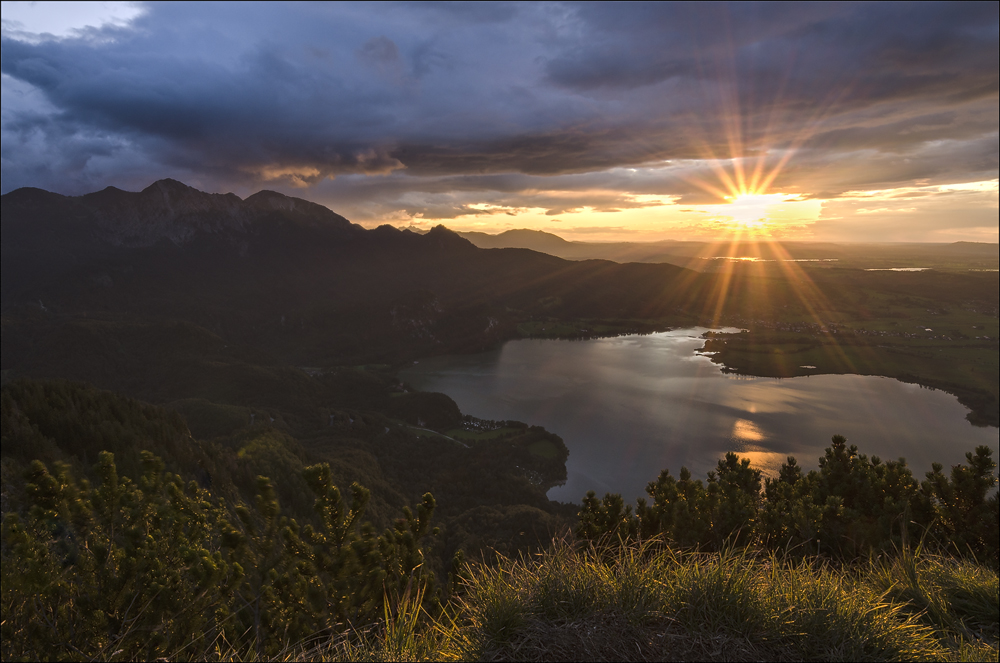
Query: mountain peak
[[173, 211], [520, 238], [169, 184], [314, 214], [273, 200], [443, 237]]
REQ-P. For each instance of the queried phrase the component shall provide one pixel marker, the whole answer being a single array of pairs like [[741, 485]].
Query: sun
[[750, 210], [746, 206]]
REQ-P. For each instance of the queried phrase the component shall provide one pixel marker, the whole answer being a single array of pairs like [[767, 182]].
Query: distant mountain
[[702, 256], [984, 249], [536, 240], [684, 253]]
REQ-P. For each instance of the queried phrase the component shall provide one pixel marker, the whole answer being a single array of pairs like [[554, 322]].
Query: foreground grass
[[636, 603], [648, 603]]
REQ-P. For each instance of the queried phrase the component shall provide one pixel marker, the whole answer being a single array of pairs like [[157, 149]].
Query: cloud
[[433, 108], [36, 22], [382, 55]]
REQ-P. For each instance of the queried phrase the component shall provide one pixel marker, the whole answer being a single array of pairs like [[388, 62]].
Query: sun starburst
[[750, 210]]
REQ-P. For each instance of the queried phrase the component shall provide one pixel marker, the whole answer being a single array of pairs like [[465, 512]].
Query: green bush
[[154, 567], [850, 506]]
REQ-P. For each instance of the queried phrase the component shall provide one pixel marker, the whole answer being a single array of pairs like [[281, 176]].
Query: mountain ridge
[[168, 209], [45, 235], [283, 273]]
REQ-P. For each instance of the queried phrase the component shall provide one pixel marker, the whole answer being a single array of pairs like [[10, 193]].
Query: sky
[[850, 122]]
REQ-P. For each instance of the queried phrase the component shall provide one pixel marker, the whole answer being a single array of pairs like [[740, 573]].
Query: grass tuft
[[636, 604], [954, 596]]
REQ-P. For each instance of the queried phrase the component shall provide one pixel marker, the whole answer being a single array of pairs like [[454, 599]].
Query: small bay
[[630, 406]]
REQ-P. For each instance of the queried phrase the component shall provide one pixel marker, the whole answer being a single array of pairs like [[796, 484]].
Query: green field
[[945, 345]]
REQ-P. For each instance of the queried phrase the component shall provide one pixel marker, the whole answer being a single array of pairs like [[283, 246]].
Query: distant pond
[[630, 406]]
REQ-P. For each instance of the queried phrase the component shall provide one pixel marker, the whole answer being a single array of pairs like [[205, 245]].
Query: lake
[[630, 406]]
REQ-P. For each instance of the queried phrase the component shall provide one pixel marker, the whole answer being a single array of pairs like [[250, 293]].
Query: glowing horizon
[[776, 215]]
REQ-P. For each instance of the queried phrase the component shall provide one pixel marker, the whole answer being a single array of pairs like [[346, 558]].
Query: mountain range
[[292, 276]]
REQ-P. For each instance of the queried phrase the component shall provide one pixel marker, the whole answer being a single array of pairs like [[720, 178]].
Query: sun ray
[[812, 299]]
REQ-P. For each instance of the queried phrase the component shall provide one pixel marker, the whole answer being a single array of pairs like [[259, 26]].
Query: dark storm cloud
[[265, 109], [651, 43], [887, 50], [443, 100]]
